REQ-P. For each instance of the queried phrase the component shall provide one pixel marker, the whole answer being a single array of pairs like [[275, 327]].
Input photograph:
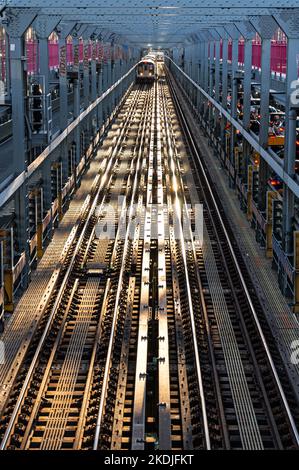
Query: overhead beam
[[154, 4], [158, 13]]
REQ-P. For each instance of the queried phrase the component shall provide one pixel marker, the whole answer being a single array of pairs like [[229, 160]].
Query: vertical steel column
[[264, 118], [235, 35], [202, 63], [7, 67], [184, 59], [248, 32], [64, 30], [44, 61], [206, 66], [206, 76], [105, 75], [44, 26], [289, 24], [198, 59], [246, 102], [190, 68], [86, 83], [211, 79], [16, 29], [109, 83], [1, 286], [266, 27], [192, 71], [193, 59], [234, 101], [94, 86], [47, 193], [195, 72], [94, 72], [215, 121], [121, 73], [63, 101], [19, 141], [224, 81], [113, 75], [234, 77], [109, 73], [224, 71], [105, 87], [211, 68], [265, 88], [77, 97], [290, 140], [176, 56], [247, 82], [100, 92], [63, 89], [217, 70], [18, 104]]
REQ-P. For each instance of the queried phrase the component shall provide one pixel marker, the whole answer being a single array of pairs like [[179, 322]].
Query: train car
[[150, 55], [160, 57], [146, 71]]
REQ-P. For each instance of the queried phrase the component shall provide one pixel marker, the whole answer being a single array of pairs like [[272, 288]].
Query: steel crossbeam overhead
[[168, 5], [147, 22]]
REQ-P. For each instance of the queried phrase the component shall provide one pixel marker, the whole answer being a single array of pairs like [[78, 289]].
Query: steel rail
[[139, 405], [123, 371], [163, 349], [205, 313], [116, 308], [177, 216], [48, 369], [110, 346]]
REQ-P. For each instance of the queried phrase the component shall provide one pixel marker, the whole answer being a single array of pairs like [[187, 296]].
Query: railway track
[[276, 421], [152, 336], [23, 411]]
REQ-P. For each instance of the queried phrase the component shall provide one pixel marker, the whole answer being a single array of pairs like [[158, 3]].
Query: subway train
[[146, 70]]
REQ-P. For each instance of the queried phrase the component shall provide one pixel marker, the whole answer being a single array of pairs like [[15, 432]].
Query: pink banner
[[278, 54]]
